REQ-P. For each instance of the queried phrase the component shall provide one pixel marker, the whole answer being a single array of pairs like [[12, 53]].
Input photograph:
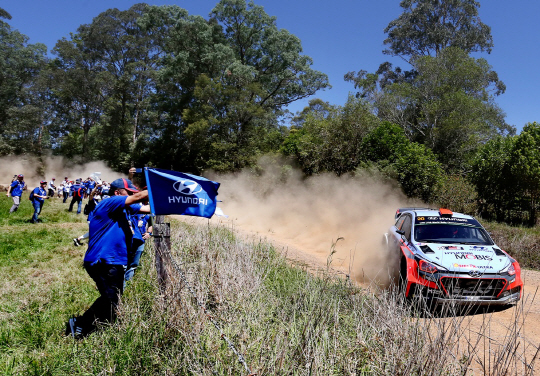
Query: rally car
[[450, 257]]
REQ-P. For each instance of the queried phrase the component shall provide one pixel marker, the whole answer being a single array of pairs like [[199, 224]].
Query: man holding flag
[[107, 255], [111, 237]]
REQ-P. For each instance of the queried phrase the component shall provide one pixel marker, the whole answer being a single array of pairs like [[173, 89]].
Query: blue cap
[[123, 184]]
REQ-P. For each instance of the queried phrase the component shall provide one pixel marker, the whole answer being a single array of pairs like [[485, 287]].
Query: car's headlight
[[427, 267], [510, 270]]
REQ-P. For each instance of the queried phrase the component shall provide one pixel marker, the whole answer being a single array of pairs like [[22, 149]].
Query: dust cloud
[[312, 214], [50, 167]]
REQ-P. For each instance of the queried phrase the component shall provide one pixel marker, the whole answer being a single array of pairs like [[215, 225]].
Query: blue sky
[[340, 36]]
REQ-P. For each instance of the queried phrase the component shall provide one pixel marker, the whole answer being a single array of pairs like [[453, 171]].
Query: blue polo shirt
[[139, 221], [111, 232], [17, 188], [39, 191]]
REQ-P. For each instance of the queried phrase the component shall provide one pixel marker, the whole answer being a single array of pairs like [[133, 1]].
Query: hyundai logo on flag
[[187, 187]]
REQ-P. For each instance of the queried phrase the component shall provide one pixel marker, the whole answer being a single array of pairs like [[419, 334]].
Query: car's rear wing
[[401, 210]]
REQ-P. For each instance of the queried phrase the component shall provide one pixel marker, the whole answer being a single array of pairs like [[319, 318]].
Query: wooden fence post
[[162, 248]]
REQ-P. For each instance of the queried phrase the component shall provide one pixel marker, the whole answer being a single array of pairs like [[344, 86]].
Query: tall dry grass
[[285, 320]]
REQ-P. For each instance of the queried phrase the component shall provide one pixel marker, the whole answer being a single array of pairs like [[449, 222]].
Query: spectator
[[15, 190], [52, 187], [78, 192], [38, 198], [140, 234], [107, 255], [88, 209], [65, 186]]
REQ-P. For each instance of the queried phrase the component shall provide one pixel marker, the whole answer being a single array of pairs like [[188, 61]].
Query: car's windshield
[[451, 234]]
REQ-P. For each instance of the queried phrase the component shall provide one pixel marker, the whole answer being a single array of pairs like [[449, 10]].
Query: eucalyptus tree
[[230, 76], [108, 74], [446, 99], [20, 65]]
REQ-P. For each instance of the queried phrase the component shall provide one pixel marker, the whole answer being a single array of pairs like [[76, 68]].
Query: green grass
[[282, 318]]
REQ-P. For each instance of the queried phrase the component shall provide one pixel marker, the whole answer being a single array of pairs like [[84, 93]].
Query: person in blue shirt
[[40, 194], [88, 209], [15, 190], [90, 185], [106, 258], [78, 192], [141, 233]]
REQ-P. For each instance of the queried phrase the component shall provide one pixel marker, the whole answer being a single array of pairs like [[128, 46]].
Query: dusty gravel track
[[495, 325]]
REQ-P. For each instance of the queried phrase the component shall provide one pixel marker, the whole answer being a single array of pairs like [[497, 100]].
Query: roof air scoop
[[446, 213]]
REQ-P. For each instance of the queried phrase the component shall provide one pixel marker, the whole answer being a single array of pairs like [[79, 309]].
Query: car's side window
[[399, 222], [407, 223]]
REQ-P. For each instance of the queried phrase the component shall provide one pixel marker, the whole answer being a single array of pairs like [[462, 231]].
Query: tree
[[412, 165], [230, 77], [446, 99], [525, 168], [427, 27], [20, 65], [81, 86], [117, 62], [448, 106], [331, 140], [491, 173]]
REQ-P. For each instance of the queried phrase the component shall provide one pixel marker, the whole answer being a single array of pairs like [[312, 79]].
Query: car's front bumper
[[461, 289], [477, 300]]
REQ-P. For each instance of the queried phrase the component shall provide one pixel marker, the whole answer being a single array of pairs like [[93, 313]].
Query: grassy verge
[[284, 320]]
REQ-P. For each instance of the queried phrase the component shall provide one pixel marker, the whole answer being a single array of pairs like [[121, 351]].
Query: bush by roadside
[[523, 243]]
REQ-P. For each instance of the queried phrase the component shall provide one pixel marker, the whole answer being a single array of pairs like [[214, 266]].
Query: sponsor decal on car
[[464, 266], [480, 248], [473, 266], [470, 256], [437, 220], [451, 248]]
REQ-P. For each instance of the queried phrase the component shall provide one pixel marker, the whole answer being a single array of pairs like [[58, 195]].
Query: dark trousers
[[110, 283], [78, 200], [66, 195]]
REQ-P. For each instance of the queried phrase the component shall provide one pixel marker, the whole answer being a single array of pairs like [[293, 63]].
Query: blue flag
[[172, 192]]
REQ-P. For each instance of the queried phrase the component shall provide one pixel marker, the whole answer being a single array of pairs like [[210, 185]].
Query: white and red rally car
[[450, 257]]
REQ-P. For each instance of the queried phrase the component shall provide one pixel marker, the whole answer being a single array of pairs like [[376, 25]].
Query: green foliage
[[385, 142], [20, 66], [447, 105], [233, 75], [506, 173], [419, 173], [525, 168], [413, 165], [457, 194], [445, 101], [491, 175], [331, 140], [427, 27], [105, 75]]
